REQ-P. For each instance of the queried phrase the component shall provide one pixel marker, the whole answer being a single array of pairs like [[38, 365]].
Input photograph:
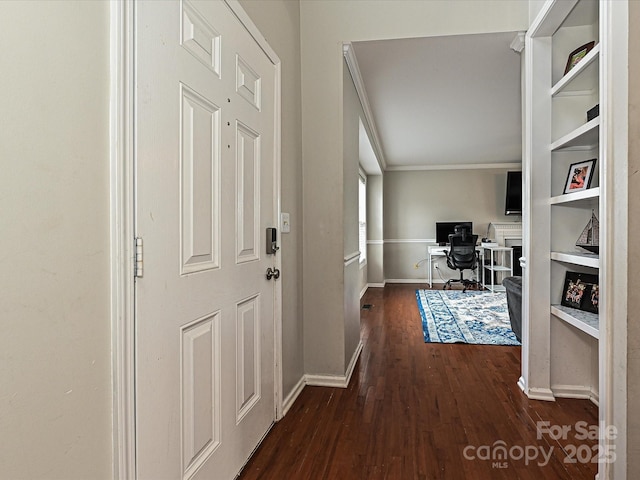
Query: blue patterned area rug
[[451, 316]]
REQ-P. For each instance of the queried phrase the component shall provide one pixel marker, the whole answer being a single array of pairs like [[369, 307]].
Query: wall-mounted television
[[513, 200], [444, 229]]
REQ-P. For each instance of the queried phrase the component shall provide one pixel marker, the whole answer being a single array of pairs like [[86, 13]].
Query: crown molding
[[354, 70], [517, 44], [462, 166]]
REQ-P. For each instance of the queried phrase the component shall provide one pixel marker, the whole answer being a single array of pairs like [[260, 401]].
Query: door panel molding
[[201, 373], [248, 382], [200, 183]]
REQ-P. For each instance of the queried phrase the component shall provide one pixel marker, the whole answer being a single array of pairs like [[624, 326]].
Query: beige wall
[[375, 235], [633, 323], [352, 114], [324, 26], [55, 378], [415, 200], [534, 8], [279, 22]]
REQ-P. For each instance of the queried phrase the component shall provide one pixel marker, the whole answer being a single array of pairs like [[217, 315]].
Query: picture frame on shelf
[[581, 291], [577, 55], [593, 113], [580, 176]]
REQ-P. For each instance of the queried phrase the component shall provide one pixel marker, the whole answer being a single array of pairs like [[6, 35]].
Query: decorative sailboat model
[[590, 237]]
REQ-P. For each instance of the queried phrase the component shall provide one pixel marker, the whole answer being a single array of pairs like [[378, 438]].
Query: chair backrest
[[462, 252]]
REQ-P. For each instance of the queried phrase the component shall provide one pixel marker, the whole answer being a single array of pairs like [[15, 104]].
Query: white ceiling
[[444, 101]]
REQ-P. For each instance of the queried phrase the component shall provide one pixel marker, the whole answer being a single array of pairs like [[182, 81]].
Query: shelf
[[581, 78], [585, 198], [498, 268], [586, 322], [494, 268], [586, 136], [577, 258]]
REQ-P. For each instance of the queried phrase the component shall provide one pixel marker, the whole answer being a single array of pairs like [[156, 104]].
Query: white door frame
[[122, 205]]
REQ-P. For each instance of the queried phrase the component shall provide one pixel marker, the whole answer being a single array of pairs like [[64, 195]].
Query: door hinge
[[137, 269]]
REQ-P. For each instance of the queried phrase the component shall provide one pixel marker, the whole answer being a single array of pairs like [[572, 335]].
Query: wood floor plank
[[415, 410]]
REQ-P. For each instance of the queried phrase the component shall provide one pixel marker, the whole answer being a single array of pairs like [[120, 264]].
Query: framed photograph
[[577, 55], [580, 175], [581, 291]]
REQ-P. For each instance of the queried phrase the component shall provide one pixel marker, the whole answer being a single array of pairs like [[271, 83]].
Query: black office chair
[[462, 256]]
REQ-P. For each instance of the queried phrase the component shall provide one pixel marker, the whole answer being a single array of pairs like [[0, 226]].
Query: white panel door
[[204, 118]]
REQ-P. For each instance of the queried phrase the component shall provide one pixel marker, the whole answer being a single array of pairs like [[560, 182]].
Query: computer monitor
[[444, 229]]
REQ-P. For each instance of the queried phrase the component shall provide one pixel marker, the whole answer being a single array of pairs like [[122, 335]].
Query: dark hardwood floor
[[415, 410]]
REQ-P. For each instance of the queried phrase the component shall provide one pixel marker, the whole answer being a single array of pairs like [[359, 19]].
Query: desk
[[438, 251], [434, 251]]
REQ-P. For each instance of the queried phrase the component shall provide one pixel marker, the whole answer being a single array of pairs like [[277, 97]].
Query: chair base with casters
[[466, 283]]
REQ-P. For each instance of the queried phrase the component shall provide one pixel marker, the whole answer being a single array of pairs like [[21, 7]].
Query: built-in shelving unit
[[564, 349], [572, 352], [581, 78], [582, 138], [577, 258], [573, 139], [584, 199], [586, 322]]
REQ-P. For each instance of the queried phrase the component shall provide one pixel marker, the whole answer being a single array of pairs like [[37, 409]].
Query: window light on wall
[[362, 217]]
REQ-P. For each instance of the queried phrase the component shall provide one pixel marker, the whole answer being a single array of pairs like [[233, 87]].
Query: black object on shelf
[[593, 113]]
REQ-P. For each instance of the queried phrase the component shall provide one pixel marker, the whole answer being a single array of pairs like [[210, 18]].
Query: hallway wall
[[325, 26], [279, 22], [633, 307], [55, 347]]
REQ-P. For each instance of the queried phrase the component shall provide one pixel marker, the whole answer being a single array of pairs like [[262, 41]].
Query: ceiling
[[444, 102]]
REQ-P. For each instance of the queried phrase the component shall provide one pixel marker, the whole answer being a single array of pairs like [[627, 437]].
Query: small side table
[[498, 262]]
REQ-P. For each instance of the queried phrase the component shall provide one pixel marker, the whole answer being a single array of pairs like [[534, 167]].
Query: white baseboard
[[575, 391], [352, 362], [371, 285], [545, 394], [292, 396], [406, 280], [335, 381], [339, 381]]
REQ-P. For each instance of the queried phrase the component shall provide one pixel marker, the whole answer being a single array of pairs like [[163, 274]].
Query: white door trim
[[122, 208], [121, 241]]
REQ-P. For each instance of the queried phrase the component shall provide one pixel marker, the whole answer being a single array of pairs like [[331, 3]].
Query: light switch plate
[[285, 222]]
